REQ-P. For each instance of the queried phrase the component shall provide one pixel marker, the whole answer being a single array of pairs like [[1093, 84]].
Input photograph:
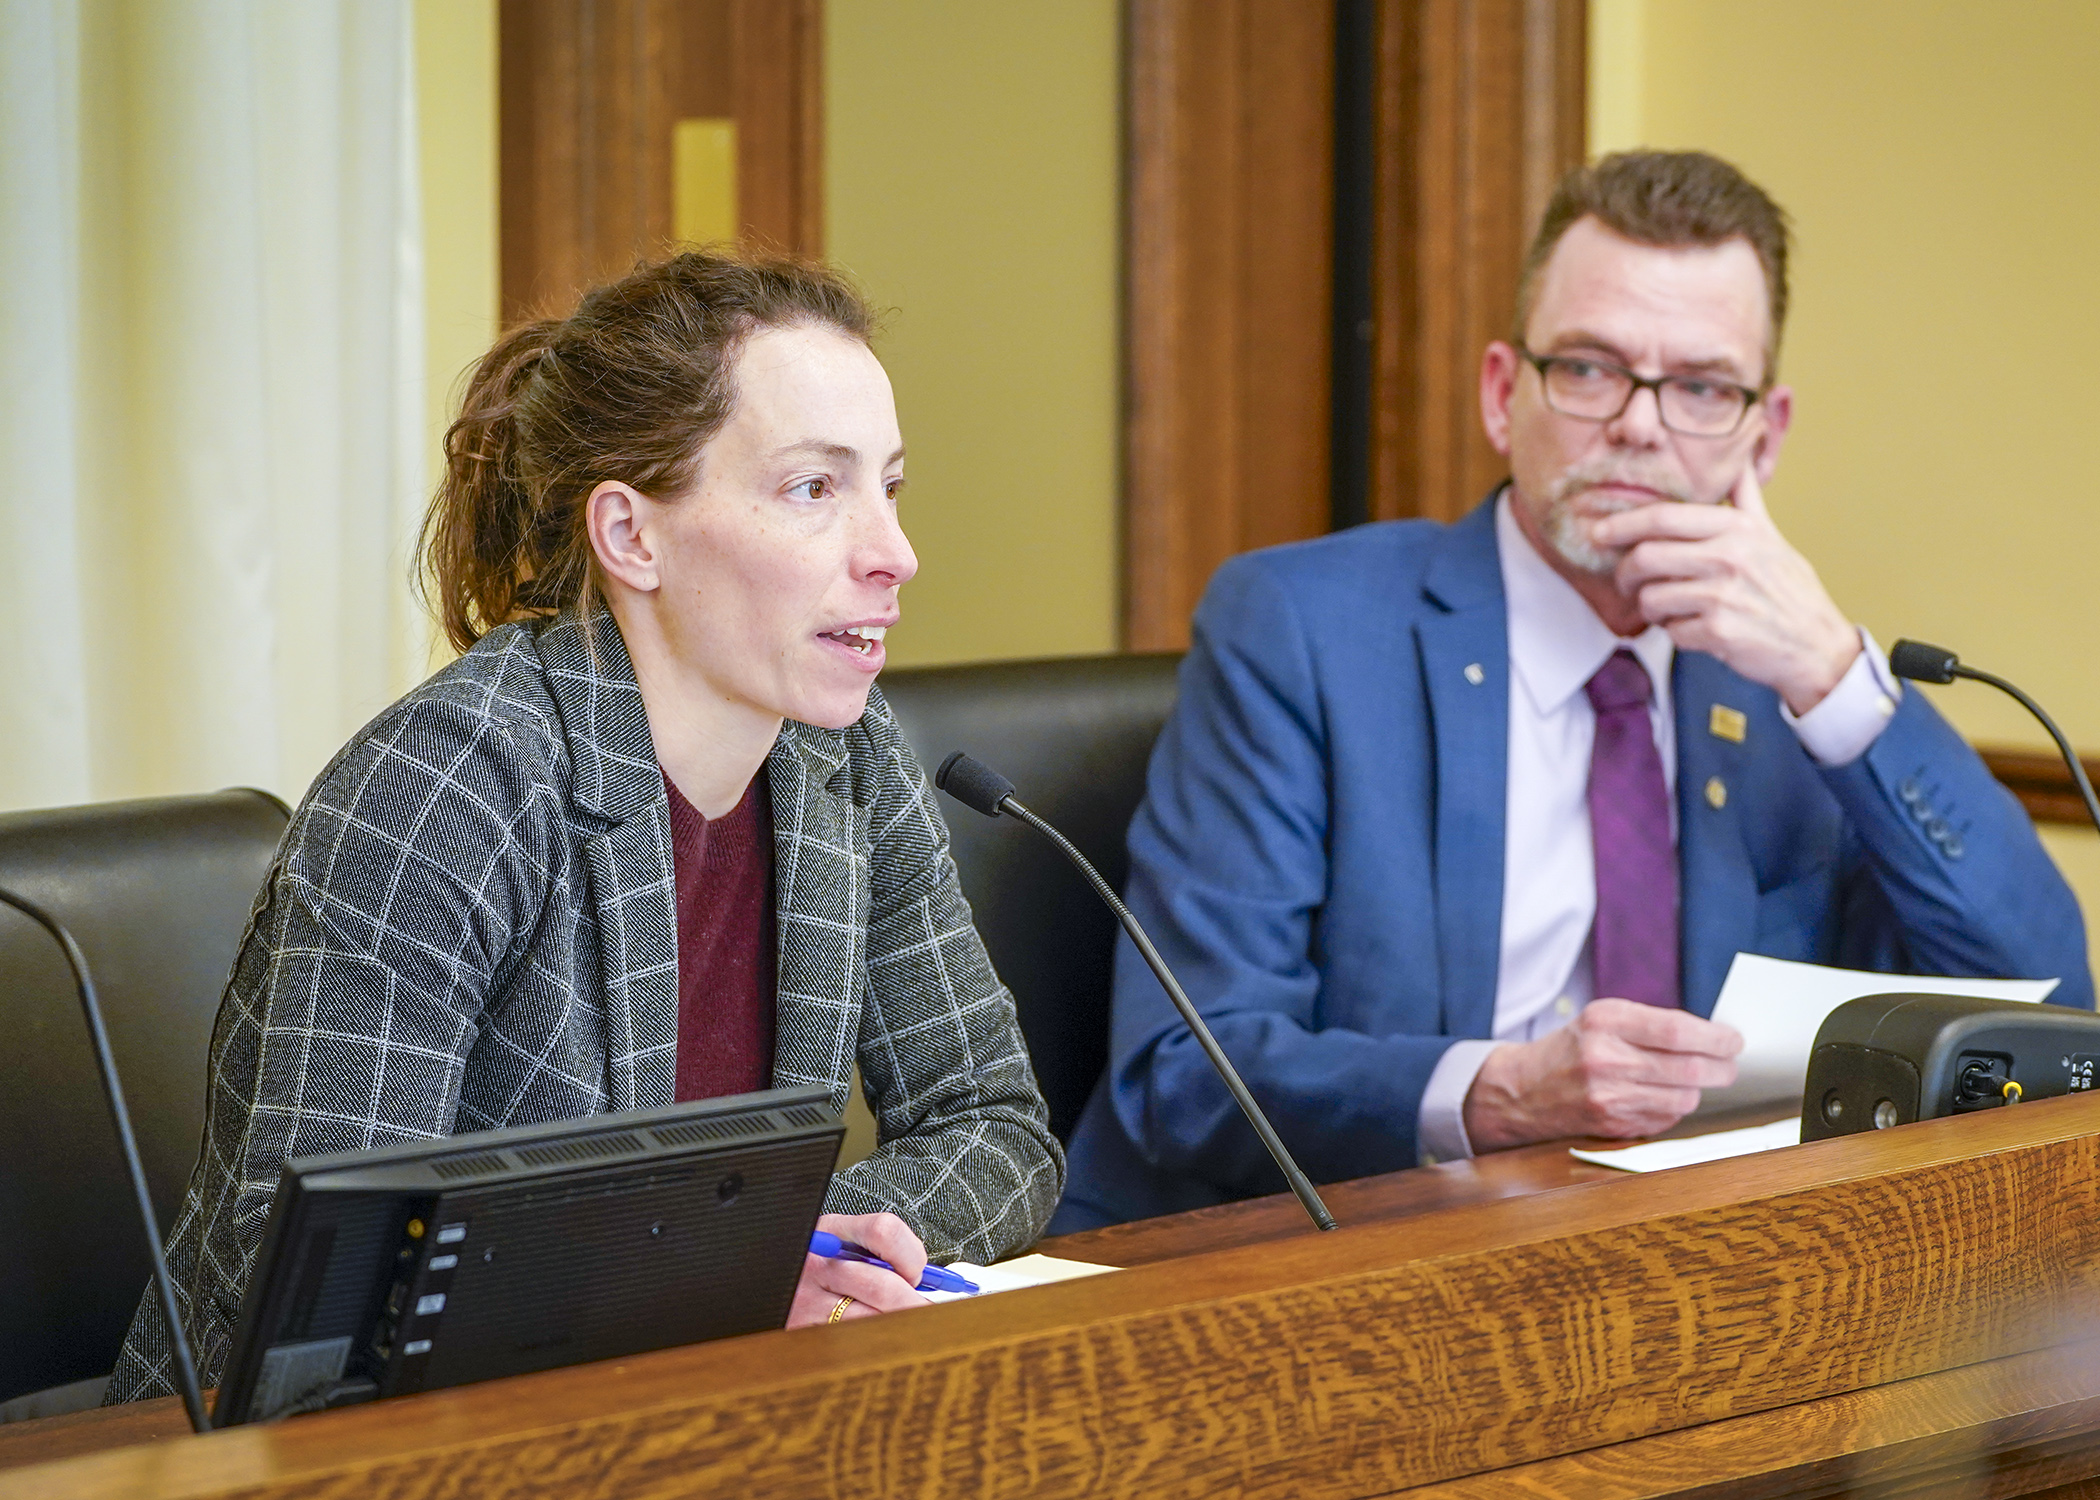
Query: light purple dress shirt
[[1549, 881]]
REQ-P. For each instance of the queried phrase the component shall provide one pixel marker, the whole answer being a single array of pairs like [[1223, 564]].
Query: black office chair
[[158, 894], [1074, 736]]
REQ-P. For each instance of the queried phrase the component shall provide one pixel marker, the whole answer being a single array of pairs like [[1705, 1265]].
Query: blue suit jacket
[[1319, 857]]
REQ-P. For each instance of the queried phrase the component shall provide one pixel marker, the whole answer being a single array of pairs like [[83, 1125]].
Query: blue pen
[[936, 1279]]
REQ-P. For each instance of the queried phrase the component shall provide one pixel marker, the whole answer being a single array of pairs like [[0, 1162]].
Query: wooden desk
[[1916, 1312]]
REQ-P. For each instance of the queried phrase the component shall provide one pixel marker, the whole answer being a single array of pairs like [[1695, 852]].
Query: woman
[[654, 835]]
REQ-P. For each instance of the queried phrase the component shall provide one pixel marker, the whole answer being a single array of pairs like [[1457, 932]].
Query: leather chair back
[[158, 895], [1074, 736]]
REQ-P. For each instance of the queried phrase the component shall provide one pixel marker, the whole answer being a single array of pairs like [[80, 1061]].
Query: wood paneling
[[1257, 1221], [1229, 256], [778, 75], [2043, 783], [1481, 110], [1396, 1353], [2028, 1425], [1231, 265], [590, 90]]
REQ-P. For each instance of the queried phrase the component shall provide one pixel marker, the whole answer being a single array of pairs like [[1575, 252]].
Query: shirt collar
[[1556, 641]]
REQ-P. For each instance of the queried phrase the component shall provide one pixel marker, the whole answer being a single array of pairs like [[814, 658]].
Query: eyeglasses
[[1595, 390]]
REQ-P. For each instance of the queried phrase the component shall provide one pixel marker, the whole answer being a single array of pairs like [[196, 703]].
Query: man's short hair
[[1671, 199]]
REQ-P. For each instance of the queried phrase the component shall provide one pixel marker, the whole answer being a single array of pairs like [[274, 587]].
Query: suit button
[[1951, 846], [1910, 791], [1937, 830], [1716, 793]]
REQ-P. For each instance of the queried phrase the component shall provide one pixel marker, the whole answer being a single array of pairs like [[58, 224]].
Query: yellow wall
[[456, 119], [1942, 165], [971, 183], [971, 171]]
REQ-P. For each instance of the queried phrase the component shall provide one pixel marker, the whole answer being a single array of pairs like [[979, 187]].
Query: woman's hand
[[872, 1289]]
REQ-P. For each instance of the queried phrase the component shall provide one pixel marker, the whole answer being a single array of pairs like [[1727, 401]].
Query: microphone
[[1922, 663], [178, 1342], [976, 785]]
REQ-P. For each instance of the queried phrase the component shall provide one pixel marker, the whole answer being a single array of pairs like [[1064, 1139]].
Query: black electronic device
[[978, 787], [1885, 1060], [435, 1264]]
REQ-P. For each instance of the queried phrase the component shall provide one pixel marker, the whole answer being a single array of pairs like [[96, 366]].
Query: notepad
[[1021, 1271], [1778, 1006]]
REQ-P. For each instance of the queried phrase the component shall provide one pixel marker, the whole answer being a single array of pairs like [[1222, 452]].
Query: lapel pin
[[1730, 724], [1716, 793], [1474, 674]]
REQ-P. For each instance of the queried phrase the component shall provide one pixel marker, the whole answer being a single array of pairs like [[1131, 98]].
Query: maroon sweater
[[724, 873]]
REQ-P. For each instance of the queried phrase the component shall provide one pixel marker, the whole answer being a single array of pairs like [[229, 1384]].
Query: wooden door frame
[[1227, 241], [1479, 109], [1491, 95], [589, 90]]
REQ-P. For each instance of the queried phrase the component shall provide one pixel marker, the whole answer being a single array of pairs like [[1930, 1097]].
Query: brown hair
[[630, 387], [1672, 199]]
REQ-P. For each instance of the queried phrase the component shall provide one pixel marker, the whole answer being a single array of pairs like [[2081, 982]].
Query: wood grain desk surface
[[1397, 1195], [2013, 1425]]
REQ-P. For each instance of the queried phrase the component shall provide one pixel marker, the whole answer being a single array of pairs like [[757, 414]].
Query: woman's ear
[[617, 516]]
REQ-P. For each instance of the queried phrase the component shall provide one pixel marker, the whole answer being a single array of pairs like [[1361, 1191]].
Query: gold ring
[[838, 1309]]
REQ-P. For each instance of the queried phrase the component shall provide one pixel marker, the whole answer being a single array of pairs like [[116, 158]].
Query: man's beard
[[1573, 506]]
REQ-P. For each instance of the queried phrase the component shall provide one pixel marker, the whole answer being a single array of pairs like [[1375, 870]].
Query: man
[[1456, 829]]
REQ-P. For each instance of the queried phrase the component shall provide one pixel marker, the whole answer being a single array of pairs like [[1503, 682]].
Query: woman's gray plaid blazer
[[470, 923]]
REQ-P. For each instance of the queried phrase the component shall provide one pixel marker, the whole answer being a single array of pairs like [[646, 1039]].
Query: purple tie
[[1636, 931]]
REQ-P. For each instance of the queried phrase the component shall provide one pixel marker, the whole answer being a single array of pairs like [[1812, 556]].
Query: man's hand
[[1721, 579], [872, 1289], [1621, 1069]]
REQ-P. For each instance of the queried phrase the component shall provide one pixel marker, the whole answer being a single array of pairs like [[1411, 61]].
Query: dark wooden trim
[[1230, 266], [779, 82], [589, 93], [1228, 279], [1151, 324], [1482, 109], [2042, 782]]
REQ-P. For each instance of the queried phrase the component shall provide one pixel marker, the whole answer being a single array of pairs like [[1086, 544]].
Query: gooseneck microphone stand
[[180, 1357], [1922, 663], [976, 785]]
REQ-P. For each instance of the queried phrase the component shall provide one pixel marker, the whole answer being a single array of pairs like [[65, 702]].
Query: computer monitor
[[416, 1267]]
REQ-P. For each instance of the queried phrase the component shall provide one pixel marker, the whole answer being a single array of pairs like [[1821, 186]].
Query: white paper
[[1778, 1007], [1012, 1275], [1654, 1156]]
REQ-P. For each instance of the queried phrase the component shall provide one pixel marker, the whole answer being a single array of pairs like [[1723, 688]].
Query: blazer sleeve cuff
[[1440, 1124]]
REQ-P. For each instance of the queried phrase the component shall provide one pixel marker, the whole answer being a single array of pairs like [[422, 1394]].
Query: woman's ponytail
[[628, 388], [477, 536]]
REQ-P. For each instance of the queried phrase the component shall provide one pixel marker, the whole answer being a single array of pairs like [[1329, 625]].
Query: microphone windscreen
[[1922, 663], [973, 783]]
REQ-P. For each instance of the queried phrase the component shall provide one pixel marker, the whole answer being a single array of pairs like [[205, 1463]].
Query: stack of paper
[[1012, 1275], [1778, 1007], [1654, 1156]]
